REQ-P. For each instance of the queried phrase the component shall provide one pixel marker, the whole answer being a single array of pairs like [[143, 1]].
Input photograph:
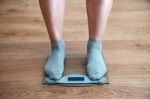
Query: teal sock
[[55, 63], [96, 67]]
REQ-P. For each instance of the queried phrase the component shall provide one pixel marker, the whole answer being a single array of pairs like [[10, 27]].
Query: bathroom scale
[[75, 73]]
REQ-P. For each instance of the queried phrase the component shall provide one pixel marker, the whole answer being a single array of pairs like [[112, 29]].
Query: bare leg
[[98, 12], [53, 13]]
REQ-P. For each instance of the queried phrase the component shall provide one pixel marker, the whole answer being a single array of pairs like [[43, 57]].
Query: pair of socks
[[96, 67]]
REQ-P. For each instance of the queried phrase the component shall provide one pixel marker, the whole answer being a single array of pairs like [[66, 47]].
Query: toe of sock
[[96, 76], [55, 76]]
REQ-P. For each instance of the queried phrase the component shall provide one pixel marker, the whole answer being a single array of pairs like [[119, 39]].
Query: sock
[[96, 67], [55, 63]]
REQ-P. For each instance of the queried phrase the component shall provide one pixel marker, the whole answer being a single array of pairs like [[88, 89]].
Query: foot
[[96, 67], [55, 63]]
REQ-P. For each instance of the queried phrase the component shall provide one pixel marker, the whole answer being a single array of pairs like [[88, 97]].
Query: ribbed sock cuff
[[94, 44], [58, 45]]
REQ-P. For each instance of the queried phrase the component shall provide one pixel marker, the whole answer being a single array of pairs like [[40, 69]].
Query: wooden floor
[[24, 46]]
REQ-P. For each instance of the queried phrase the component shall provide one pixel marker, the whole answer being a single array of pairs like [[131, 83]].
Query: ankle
[[94, 45], [58, 45]]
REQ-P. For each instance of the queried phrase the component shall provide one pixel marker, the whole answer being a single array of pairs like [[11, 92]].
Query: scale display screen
[[75, 78]]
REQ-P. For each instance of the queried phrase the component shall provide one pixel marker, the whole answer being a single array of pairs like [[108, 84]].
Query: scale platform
[[76, 80]]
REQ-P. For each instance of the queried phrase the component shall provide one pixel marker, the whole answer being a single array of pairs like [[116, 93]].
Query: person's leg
[[97, 12], [53, 14]]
